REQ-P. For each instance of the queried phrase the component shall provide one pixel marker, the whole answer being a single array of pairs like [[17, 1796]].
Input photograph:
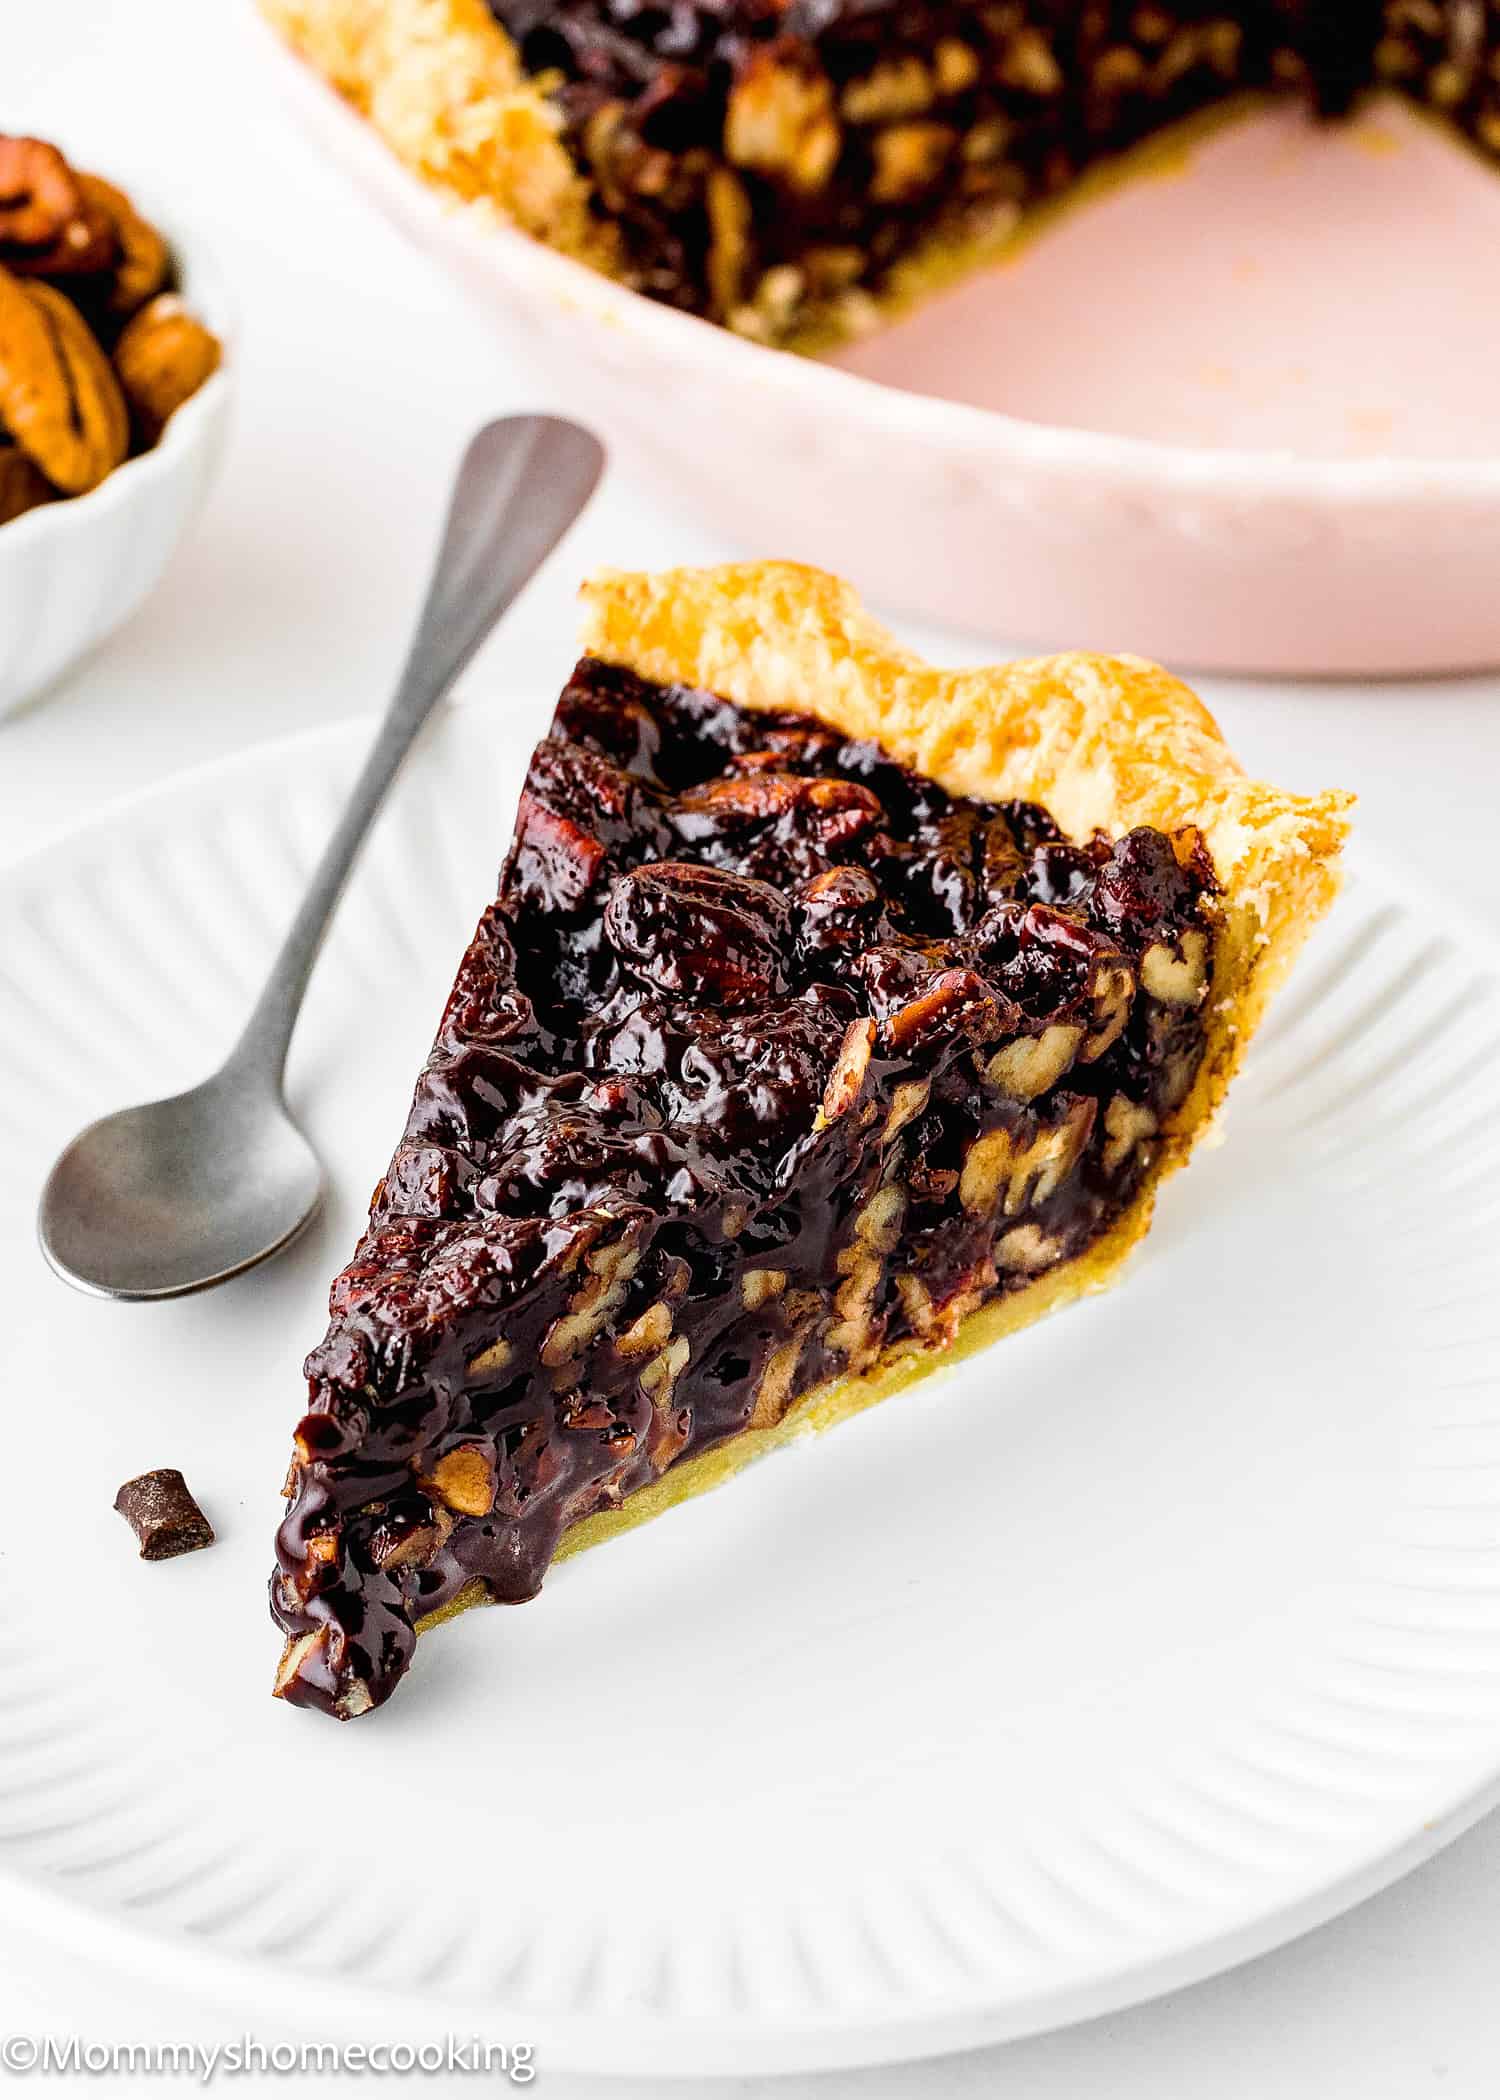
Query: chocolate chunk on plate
[[160, 1510]]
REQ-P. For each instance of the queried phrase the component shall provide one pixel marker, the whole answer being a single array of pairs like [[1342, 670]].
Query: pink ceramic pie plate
[[1239, 416]]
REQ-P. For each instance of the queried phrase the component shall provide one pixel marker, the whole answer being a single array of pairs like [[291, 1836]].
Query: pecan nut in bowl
[[49, 226], [59, 398], [141, 262], [23, 485], [164, 355]]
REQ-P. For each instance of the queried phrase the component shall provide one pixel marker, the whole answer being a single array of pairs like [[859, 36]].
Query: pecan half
[[699, 933], [142, 261], [47, 225], [58, 397], [956, 1001], [163, 356]]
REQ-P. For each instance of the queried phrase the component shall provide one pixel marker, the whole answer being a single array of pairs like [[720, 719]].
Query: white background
[[360, 373]]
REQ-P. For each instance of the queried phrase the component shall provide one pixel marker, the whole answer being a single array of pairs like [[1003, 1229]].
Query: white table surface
[[361, 372]]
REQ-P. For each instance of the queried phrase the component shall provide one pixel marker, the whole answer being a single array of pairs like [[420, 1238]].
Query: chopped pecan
[[648, 1334], [409, 1544], [956, 1001], [781, 121], [610, 1269], [1111, 994], [1032, 1063], [896, 87], [956, 66], [728, 210], [1030, 64], [758, 1286], [907, 1100], [852, 1334], [776, 1389], [1012, 1169], [1027, 1249], [554, 856], [664, 1370], [463, 1479], [848, 1074], [878, 1225], [1127, 1124], [1177, 974], [490, 1361], [909, 158]]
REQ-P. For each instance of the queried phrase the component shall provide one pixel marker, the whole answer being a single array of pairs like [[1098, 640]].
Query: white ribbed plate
[[1139, 1644]]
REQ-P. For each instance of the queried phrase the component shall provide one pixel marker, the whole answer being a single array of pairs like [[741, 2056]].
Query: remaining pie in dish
[[834, 1011], [789, 167]]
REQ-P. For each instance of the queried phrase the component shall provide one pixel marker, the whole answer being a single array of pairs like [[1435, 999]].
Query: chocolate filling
[[770, 1055], [770, 162]]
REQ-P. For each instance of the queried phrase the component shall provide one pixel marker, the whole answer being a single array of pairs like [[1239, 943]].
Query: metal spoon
[[180, 1194]]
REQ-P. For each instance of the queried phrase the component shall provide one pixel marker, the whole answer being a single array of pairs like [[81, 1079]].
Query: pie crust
[[442, 84]]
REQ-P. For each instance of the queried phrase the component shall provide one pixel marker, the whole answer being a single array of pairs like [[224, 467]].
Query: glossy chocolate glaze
[[769, 1054]]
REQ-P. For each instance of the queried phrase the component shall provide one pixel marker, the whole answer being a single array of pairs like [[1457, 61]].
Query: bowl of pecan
[[113, 407]]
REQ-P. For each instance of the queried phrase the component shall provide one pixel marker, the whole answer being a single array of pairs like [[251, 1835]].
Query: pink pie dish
[[1239, 415]]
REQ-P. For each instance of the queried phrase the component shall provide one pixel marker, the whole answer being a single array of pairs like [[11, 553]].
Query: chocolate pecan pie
[[790, 166], [833, 1010]]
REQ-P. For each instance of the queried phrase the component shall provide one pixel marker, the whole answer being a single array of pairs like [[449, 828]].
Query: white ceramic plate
[[1148, 1639], [1245, 418]]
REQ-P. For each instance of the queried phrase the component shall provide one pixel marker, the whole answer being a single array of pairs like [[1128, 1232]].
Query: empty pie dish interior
[[834, 1013]]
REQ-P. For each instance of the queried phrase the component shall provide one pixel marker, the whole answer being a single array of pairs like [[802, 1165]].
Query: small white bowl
[[71, 572]]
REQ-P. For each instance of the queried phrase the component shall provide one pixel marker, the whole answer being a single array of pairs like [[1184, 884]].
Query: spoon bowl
[[179, 1194]]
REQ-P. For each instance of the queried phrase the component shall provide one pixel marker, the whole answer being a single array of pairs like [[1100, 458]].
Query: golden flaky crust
[[1100, 741], [442, 84]]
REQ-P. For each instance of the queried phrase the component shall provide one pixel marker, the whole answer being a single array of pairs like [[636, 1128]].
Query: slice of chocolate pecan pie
[[832, 1008], [791, 167]]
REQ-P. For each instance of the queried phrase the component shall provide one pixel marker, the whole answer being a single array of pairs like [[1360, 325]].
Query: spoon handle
[[523, 481]]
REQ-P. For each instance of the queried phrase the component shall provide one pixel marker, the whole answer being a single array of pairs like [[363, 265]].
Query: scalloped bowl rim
[[851, 398]]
